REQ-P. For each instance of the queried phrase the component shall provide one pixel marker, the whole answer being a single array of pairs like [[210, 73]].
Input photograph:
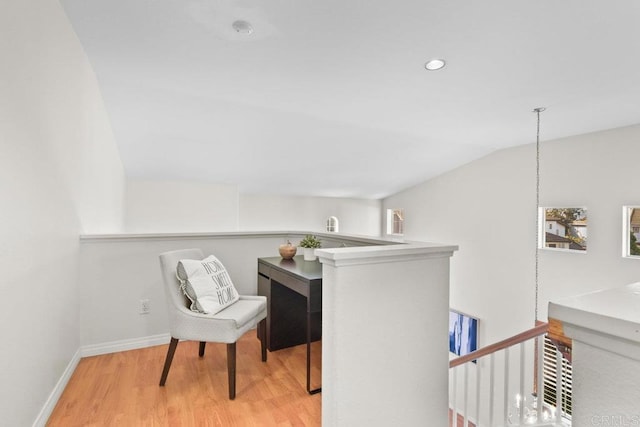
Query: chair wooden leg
[[167, 363], [262, 334], [201, 350], [231, 369]]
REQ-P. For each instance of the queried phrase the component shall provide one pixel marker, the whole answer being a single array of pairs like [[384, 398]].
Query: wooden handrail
[[501, 345]]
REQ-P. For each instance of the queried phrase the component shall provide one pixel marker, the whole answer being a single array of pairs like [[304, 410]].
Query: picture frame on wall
[[463, 333]]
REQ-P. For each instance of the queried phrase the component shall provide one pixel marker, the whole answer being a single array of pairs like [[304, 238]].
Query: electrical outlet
[[145, 306]]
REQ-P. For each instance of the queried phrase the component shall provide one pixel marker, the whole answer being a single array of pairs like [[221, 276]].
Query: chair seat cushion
[[207, 284], [242, 311]]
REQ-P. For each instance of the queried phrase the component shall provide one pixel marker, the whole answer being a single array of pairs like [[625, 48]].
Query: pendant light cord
[[538, 231]]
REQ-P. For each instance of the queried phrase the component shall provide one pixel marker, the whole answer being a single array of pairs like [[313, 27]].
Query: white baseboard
[[93, 350], [52, 400], [124, 345]]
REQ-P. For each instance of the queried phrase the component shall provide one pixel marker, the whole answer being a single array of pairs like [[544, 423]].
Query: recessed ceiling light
[[434, 64], [242, 27]]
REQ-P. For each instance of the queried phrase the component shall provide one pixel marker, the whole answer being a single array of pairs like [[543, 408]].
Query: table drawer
[[290, 282], [264, 270]]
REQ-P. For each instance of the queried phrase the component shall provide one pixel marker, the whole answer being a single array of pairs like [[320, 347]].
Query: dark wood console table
[[294, 303]]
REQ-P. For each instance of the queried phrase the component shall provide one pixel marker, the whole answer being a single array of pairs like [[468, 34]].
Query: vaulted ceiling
[[331, 97]]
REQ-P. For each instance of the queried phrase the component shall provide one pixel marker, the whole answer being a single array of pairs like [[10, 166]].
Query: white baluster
[[506, 386], [558, 384], [491, 387], [522, 396], [540, 381], [454, 405], [478, 370], [466, 392]]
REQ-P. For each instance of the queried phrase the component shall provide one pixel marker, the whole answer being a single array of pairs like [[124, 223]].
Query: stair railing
[[513, 406]]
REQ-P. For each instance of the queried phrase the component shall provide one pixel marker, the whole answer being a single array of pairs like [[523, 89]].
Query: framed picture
[[463, 333]]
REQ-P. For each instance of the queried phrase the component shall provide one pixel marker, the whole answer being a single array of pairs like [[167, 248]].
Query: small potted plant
[[309, 244]]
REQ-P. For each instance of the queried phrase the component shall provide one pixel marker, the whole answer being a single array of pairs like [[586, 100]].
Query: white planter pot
[[309, 254]]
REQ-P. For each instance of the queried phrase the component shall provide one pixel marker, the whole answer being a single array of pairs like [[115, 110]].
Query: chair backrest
[[176, 301]]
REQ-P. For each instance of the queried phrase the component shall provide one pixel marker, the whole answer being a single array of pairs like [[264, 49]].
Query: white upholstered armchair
[[226, 326]]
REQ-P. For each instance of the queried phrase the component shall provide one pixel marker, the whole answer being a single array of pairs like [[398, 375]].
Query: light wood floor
[[122, 388]]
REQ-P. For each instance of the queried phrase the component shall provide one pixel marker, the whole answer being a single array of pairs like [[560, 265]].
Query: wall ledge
[[179, 236], [390, 253], [107, 237], [607, 319]]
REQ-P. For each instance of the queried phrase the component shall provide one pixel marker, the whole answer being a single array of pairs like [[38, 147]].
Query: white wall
[[59, 175], [272, 212], [180, 206], [487, 207], [608, 162], [156, 206]]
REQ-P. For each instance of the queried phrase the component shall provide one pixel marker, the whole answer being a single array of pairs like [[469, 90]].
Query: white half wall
[[387, 366], [605, 329], [274, 212], [117, 271], [59, 176]]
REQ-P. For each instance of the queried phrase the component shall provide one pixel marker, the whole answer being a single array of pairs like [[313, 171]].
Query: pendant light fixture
[[525, 410], [537, 267]]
